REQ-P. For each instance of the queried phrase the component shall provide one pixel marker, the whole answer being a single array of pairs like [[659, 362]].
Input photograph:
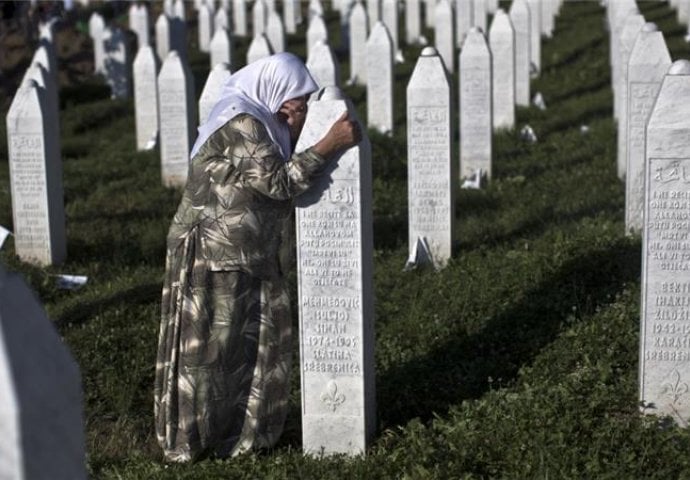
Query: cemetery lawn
[[519, 360]]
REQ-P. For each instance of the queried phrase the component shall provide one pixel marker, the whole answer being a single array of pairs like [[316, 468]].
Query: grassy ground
[[519, 360]]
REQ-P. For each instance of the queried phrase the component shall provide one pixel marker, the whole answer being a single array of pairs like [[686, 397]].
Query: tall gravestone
[[213, 88], [239, 18], [139, 23], [479, 14], [259, 48], [431, 176], [323, 65], [177, 119], [116, 62], [204, 27], [145, 73], [358, 44], [220, 21], [275, 32], [463, 20], [41, 409], [373, 12], [380, 80], [649, 62], [389, 17], [664, 354], [628, 35], [520, 18], [162, 36], [179, 10], [316, 32], [221, 50], [36, 177], [443, 34], [475, 106], [413, 22], [621, 10], [259, 16], [502, 43], [535, 35], [96, 27], [289, 17], [335, 285]]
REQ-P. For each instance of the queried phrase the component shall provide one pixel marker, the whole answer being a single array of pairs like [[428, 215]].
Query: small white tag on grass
[[527, 134], [584, 129], [71, 282], [4, 233]]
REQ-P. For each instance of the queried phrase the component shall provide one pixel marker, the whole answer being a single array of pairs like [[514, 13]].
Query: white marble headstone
[[520, 17], [649, 62], [36, 176], [335, 289], [316, 31], [259, 48], [475, 106], [162, 28], [380, 80], [221, 48], [389, 17], [179, 10], [239, 18], [358, 44], [41, 410], [413, 22], [205, 28], [177, 115], [220, 20], [96, 27], [145, 74], [275, 32], [444, 35], [259, 16], [502, 45], [323, 65], [479, 14], [289, 17], [373, 12], [628, 35], [139, 23], [535, 34], [431, 176], [664, 355], [463, 20], [213, 87]]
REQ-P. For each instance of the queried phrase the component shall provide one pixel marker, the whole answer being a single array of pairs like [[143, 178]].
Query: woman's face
[[294, 112]]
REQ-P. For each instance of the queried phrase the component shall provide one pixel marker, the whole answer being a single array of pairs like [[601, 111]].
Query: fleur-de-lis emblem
[[331, 397], [674, 388]]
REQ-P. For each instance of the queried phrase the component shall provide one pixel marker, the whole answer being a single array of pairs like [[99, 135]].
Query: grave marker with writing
[[335, 284], [665, 314], [431, 175], [145, 73], [380, 80], [502, 42], [649, 62]]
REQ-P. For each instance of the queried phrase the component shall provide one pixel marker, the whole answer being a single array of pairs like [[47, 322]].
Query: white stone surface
[[619, 13], [429, 13], [221, 50], [389, 17], [336, 301], [502, 45], [275, 32], [535, 34], [96, 27], [179, 10], [177, 114], [162, 36], [139, 23], [464, 17], [221, 20], [315, 8], [628, 35], [358, 44], [316, 31], [479, 14], [323, 65], [259, 17], [443, 34], [259, 48], [145, 74], [289, 17], [413, 21], [475, 106], [520, 18], [116, 62], [664, 356], [373, 12], [205, 28], [41, 409], [649, 62], [431, 176], [33, 146], [213, 87], [380, 80], [239, 18]]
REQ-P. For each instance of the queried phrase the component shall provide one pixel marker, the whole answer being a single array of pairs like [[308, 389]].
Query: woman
[[224, 349]]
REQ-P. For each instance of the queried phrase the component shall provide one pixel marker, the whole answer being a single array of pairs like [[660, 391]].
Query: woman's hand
[[343, 134]]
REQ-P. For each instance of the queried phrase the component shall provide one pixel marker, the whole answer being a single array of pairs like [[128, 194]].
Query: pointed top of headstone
[[649, 27], [429, 52], [332, 92], [680, 67]]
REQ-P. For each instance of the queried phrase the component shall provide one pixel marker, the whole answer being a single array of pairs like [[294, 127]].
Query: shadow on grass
[[460, 368]]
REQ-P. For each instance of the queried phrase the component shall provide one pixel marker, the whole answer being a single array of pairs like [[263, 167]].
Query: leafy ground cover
[[519, 360]]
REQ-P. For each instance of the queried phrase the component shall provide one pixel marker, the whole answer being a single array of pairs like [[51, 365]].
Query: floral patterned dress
[[224, 350]]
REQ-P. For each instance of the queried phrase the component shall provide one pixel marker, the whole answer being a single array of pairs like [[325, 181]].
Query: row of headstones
[[652, 109]]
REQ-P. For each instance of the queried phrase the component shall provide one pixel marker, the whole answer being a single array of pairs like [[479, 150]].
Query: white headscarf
[[260, 89]]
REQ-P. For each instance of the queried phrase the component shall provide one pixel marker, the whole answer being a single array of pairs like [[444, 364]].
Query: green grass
[[518, 360]]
